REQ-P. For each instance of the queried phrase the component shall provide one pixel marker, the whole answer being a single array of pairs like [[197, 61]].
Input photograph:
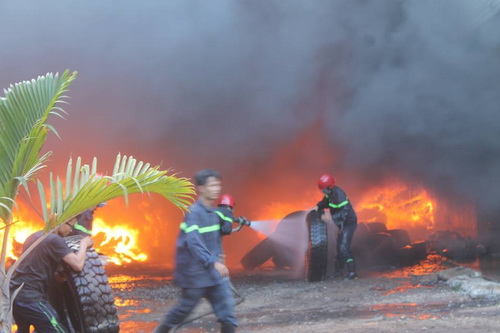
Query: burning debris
[[408, 230], [119, 243]]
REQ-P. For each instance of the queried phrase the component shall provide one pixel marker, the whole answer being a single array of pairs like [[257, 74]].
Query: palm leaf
[[23, 129], [87, 189]]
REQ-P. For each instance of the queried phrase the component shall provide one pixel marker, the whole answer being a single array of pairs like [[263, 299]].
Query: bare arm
[[77, 260]]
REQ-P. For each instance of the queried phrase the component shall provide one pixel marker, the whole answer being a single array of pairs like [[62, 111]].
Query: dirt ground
[[400, 300]]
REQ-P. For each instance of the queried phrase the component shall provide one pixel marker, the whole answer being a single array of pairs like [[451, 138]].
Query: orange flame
[[399, 206], [119, 242], [18, 234]]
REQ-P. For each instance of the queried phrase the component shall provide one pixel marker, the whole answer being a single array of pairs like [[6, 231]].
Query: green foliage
[[23, 115], [23, 129], [85, 188]]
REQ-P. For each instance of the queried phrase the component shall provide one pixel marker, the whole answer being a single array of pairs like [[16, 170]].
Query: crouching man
[[36, 271]]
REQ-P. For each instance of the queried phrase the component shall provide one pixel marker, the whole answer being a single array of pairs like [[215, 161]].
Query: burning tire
[[377, 226], [261, 253], [401, 237], [88, 303], [317, 252], [283, 246]]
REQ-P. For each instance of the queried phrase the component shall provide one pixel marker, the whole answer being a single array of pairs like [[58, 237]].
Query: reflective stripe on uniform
[[222, 216], [201, 230], [342, 204], [82, 228]]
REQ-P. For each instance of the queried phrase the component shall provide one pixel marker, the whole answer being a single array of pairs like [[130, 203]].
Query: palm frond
[[87, 189], [23, 129]]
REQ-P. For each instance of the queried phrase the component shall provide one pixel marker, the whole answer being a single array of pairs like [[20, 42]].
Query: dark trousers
[[40, 314], [344, 240], [220, 297]]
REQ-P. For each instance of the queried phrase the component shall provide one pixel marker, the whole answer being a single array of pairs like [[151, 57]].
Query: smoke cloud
[[275, 93]]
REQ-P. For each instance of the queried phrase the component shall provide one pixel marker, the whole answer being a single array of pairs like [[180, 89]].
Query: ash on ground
[[409, 299]]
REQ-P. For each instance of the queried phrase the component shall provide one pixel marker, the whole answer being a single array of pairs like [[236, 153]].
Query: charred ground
[[410, 299]]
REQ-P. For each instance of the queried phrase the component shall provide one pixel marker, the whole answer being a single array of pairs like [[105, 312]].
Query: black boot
[[227, 328], [338, 269], [351, 268]]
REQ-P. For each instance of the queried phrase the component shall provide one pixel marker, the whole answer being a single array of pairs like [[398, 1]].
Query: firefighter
[[225, 212], [344, 217], [225, 209], [198, 269], [84, 222]]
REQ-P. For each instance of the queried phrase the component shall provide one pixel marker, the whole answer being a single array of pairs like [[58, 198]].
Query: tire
[[290, 241], [412, 254], [261, 253], [89, 303], [317, 252], [384, 251], [401, 237], [377, 227]]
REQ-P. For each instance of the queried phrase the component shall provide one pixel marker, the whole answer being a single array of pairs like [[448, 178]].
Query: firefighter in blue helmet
[[199, 270], [344, 217]]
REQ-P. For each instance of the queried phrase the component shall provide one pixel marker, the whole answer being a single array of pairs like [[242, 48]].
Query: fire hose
[[238, 298]]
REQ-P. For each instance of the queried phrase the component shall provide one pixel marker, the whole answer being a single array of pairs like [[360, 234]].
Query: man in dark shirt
[[199, 271], [343, 215], [36, 271]]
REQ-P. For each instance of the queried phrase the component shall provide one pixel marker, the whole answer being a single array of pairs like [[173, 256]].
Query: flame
[[118, 242], [19, 231], [274, 212], [399, 206]]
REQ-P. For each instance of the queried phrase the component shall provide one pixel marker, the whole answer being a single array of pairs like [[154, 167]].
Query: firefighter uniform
[[226, 219], [198, 248], [345, 218]]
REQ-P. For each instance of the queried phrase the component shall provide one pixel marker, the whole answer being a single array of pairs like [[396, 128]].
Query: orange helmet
[[326, 181], [227, 200]]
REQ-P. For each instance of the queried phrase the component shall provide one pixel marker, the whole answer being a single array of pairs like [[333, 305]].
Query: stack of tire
[[375, 245], [455, 246], [84, 301]]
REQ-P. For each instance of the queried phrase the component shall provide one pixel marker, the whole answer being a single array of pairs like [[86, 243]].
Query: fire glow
[[118, 243], [398, 206]]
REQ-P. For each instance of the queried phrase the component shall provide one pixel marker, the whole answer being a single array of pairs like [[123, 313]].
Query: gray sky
[[274, 93]]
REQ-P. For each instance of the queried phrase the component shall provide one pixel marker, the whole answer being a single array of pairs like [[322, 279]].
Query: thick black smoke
[[373, 88]]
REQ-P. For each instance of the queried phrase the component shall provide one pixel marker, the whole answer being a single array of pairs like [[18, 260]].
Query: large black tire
[[87, 295], [317, 252], [401, 237], [384, 251], [261, 253], [377, 226], [290, 241]]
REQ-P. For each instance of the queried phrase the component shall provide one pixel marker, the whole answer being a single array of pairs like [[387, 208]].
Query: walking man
[[199, 271]]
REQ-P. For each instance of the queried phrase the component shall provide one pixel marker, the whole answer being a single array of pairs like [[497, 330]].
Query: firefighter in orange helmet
[[344, 217]]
